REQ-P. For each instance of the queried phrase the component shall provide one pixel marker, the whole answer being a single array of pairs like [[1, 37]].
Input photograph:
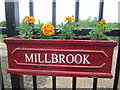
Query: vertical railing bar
[[17, 82], [2, 85], [31, 10], [12, 17], [101, 6], [54, 13], [77, 11], [54, 24], [74, 83], [12, 21], [95, 80], [34, 82], [76, 20], [54, 82]]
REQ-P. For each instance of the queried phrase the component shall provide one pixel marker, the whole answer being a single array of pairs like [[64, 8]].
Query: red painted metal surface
[[55, 57]]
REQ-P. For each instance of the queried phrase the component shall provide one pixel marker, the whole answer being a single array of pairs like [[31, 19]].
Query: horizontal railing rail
[[83, 31]]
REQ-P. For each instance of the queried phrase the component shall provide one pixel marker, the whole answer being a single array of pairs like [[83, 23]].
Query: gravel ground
[[46, 81]]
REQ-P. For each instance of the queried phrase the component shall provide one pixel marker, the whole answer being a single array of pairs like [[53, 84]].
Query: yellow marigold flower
[[68, 18], [48, 29], [103, 21]]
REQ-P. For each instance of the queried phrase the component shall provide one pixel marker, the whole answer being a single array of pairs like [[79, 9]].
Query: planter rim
[[60, 41]]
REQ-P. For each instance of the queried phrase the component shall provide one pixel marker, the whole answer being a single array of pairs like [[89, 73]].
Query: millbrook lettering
[[57, 58]]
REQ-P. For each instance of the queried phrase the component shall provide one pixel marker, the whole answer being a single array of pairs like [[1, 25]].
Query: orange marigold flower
[[68, 18], [31, 20], [48, 32], [99, 23], [27, 17], [48, 29]]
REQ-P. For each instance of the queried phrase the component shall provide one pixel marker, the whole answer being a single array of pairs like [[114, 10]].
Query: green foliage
[[29, 30], [25, 30], [98, 31], [112, 25], [37, 29], [92, 22], [2, 37], [116, 38], [88, 23], [3, 24], [66, 29]]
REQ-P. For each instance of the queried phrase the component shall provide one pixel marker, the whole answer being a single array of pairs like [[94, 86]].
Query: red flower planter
[[55, 57]]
